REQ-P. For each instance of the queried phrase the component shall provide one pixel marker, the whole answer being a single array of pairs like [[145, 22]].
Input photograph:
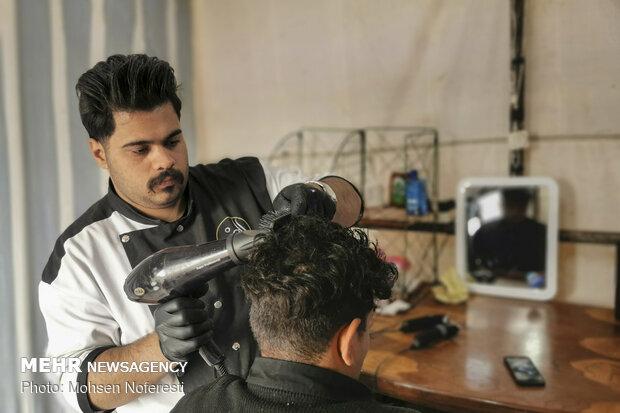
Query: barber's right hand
[[183, 326]]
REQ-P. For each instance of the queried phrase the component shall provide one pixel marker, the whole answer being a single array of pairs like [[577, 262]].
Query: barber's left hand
[[302, 199]]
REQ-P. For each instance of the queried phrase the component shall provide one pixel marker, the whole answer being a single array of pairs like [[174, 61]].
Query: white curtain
[[47, 175]]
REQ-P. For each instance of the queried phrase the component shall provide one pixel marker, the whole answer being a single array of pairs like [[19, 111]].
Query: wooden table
[[576, 348]]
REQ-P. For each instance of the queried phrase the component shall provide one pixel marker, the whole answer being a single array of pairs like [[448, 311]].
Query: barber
[[131, 112]]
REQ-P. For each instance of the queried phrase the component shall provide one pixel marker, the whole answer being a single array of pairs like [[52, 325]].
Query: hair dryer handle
[[213, 356]]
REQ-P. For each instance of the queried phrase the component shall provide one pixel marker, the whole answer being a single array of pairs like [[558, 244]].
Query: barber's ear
[[349, 342], [98, 152]]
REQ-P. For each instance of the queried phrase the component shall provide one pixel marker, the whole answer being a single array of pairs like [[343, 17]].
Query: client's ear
[[349, 342]]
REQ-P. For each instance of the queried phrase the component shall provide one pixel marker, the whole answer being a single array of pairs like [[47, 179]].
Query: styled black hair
[[307, 279], [124, 82]]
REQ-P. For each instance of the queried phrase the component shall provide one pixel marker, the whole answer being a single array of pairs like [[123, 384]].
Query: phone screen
[[523, 371]]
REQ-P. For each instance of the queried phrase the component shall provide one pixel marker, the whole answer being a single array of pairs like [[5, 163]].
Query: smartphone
[[523, 371]]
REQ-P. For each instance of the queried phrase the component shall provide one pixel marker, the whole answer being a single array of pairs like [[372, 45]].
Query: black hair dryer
[[181, 271]]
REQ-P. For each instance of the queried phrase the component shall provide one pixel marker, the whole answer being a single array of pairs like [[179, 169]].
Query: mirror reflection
[[506, 231], [506, 234]]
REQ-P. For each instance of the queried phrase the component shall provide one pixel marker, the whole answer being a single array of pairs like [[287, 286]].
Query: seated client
[[312, 286]]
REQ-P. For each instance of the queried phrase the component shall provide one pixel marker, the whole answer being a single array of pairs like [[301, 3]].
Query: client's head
[[312, 286], [515, 203]]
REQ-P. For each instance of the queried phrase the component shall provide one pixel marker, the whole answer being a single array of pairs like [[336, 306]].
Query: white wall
[[271, 66], [265, 68]]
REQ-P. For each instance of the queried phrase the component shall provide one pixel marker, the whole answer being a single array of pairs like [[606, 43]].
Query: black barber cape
[[275, 386]]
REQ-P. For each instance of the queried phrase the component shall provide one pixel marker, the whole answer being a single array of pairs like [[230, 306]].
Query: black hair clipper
[[422, 323]]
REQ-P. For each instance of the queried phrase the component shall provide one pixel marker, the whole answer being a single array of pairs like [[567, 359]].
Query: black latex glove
[[183, 326], [302, 199]]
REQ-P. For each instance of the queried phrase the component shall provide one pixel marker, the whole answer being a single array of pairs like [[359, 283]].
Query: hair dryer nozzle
[[240, 244]]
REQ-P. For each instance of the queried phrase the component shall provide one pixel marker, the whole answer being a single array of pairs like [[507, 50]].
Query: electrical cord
[[441, 331], [384, 361], [385, 330]]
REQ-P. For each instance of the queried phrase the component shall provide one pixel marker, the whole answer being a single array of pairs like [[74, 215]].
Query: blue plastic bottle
[[413, 193], [416, 195]]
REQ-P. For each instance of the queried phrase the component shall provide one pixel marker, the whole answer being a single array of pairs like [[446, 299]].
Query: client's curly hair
[[307, 279]]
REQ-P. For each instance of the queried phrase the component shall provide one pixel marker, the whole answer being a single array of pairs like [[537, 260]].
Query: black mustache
[[169, 173]]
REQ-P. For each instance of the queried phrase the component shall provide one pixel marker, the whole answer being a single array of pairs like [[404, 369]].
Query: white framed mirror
[[507, 235]]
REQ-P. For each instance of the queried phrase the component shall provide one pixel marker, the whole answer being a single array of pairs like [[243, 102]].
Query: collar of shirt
[[305, 378]]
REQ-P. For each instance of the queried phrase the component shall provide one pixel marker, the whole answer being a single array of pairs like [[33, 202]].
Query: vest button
[[236, 346], [217, 304], [125, 238], [180, 228]]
